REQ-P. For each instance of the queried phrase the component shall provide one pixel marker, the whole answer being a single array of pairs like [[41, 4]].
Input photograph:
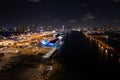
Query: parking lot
[[8, 61]]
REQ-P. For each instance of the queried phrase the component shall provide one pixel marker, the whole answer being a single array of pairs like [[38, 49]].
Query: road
[[83, 60]]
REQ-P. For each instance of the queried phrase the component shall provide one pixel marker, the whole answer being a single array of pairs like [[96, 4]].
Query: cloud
[[34, 1], [117, 0], [88, 17], [84, 5], [73, 20], [56, 21], [117, 21]]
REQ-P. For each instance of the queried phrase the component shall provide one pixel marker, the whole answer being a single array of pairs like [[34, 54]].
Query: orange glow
[[102, 47], [119, 59], [106, 51]]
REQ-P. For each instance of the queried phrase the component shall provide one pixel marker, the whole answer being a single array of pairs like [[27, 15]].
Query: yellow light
[[106, 51], [102, 47]]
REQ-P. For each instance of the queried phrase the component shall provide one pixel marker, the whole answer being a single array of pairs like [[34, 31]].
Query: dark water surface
[[83, 60]]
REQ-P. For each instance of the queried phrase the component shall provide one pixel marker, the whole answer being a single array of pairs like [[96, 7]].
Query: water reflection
[[106, 51], [111, 55], [105, 56], [101, 54]]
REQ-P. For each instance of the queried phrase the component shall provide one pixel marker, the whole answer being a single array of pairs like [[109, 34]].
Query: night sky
[[94, 12]]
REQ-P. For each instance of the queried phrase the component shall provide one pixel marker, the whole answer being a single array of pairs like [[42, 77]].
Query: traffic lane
[[81, 60]]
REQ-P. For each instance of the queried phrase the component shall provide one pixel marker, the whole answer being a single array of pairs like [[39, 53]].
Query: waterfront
[[30, 58], [84, 59]]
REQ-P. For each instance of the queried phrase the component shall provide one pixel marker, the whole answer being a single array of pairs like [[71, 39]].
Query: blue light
[[50, 44], [43, 43]]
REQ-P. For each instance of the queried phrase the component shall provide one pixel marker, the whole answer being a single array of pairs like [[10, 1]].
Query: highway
[[84, 59]]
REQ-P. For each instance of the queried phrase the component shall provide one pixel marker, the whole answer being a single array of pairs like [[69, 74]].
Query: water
[[83, 59]]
